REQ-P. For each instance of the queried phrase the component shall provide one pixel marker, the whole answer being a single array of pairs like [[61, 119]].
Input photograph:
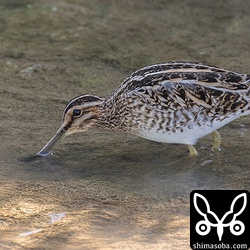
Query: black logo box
[[220, 202]]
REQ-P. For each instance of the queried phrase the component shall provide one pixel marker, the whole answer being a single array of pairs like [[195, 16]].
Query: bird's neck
[[109, 117]]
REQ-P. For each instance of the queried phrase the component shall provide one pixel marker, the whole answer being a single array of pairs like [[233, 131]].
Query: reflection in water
[[103, 190], [30, 232], [56, 217], [31, 158]]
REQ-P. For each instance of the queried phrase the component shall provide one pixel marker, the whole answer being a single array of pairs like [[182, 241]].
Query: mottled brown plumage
[[174, 102]]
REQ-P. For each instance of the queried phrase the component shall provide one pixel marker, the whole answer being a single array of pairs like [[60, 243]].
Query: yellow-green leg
[[216, 140], [192, 150]]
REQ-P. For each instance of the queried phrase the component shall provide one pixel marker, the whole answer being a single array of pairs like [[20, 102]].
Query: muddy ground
[[103, 190]]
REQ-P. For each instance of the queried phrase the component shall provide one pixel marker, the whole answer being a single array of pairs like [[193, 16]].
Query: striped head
[[81, 113]]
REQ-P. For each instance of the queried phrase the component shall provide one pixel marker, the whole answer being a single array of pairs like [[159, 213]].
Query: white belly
[[187, 135]]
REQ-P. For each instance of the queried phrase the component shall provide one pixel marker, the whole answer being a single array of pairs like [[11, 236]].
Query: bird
[[173, 102]]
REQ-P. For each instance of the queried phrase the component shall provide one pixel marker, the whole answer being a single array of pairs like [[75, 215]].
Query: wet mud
[[101, 189]]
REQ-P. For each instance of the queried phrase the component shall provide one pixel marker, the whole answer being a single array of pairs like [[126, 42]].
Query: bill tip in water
[[43, 154], [31, 158]]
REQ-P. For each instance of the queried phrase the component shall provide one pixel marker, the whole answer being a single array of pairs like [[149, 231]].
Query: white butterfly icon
[[203, 227]]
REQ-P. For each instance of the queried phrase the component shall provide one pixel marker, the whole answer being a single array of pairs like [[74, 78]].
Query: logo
[[203, 227], [219, 219]]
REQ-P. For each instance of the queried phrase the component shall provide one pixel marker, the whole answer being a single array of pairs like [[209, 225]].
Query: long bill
[[52, 142]]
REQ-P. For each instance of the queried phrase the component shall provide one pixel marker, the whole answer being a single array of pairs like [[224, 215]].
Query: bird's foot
[[192, 150], [216, 140]]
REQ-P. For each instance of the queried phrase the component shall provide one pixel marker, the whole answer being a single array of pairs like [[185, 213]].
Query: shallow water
[[103, 190]]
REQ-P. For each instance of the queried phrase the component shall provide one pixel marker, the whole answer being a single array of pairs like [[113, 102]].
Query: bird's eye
[[77, 112]]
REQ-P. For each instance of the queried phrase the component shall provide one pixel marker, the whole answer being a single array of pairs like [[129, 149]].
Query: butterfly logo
[[210, 219]]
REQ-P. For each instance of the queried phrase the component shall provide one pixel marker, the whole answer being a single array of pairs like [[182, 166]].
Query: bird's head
[[81, 113]]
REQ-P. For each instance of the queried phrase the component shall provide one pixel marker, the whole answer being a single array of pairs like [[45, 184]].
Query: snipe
[[173, 102]]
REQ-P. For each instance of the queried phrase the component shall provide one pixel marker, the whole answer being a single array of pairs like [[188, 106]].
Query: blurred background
[[103, 190]]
